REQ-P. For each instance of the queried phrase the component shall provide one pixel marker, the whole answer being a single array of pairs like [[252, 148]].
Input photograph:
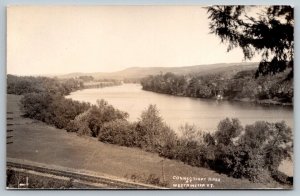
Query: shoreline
[[265, 102]]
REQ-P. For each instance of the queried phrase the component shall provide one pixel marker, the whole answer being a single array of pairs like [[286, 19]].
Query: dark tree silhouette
[[270, 33]]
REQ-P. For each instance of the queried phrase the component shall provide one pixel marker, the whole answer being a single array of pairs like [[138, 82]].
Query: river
[[176, 111]]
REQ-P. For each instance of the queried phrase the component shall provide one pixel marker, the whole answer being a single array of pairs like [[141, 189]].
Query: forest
[[240, 86], [253, 151]]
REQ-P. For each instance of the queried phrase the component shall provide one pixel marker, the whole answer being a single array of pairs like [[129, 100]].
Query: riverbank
[[38, 142], [264, 102], [240, 86]]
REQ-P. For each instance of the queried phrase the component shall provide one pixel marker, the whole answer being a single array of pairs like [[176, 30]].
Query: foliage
[[270, 33], [191, 133], [119, 132], [92, 121], [43, 98], [224, 145], [51, 108], [189, 147], [153, 134], [282, 178], [227, 131], [21, 85], [239, 86], [18, 85], [254, 152], [168, 83], [35, 105], [80, 124], [86, 78]]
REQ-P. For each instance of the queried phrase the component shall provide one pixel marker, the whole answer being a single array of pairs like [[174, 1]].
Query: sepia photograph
[[150, 97]]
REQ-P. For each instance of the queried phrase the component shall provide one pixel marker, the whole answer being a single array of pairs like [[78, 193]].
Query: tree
[[228, 130], [254, 152], [270, 33], [224, 148], [263, 147], [154, 135], [190, 146]]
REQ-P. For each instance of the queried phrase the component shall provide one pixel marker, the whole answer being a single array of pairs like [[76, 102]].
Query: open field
[[37, 142]]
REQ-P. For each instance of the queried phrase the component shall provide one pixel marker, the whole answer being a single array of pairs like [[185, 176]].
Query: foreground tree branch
[[269, 33]]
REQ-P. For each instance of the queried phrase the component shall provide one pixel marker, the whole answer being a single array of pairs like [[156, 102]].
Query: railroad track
[[110, 183]]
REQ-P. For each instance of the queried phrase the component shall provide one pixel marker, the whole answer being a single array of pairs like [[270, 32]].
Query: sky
[[64, 39]]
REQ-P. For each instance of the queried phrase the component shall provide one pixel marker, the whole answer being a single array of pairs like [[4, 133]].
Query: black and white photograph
[[149, 97]]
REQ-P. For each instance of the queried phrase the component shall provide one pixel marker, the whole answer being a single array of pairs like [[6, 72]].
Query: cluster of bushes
[[92, 121], [52, 109], [242, 85], [110, 126]]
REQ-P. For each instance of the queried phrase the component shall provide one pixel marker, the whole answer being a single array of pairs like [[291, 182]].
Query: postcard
[[150, 97]]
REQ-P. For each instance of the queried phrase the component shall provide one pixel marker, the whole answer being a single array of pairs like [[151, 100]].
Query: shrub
[[64, 110], [91, 122], [35, 105], [81, 124], [119, 132]]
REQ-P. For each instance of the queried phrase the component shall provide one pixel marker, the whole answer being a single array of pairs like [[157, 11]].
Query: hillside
[[140, 72]]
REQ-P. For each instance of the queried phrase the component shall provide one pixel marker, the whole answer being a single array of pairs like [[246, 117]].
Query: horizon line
[[108, 72]]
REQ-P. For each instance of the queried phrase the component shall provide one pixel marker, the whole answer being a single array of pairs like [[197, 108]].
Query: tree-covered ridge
[[269, 33], [240, 86]]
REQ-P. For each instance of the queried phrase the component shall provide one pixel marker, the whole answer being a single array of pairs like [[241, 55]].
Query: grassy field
[[38, 142]]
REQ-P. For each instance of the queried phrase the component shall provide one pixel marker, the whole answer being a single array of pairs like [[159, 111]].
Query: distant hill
[[140, 72]]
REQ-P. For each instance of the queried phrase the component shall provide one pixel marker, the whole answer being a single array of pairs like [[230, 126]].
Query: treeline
[[91, 82], [20, 85], [253, 152], [241, 86]]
